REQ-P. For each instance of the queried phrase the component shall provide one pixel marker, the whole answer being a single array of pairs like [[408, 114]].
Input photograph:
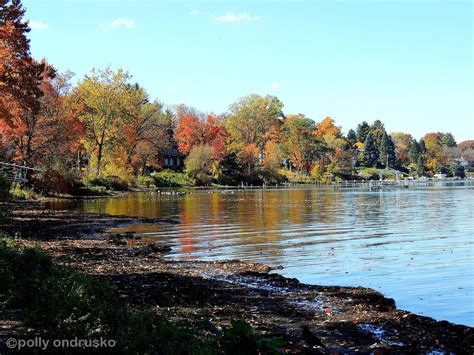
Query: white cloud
[[232, 17], [195, 13], [122, 22], [275, 85], [37, 25]]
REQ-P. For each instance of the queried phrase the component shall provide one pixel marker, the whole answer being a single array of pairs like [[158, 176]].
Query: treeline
[[107, 130]]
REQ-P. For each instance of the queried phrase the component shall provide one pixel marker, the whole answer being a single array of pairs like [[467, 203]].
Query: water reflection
[[415, 244]]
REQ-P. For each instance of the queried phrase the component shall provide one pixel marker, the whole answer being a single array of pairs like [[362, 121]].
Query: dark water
[[413, 244]]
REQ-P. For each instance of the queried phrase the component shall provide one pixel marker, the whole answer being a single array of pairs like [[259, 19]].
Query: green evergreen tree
[[420, 166], [391, 154], [351, 137], [383, 149], [387, 151], [457, 170], [422, 146], [447, 139], [363, 130], [371, 152], [414, 152], [378, 130], [378, 125]]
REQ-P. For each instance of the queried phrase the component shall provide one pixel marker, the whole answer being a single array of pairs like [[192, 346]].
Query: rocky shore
[[211, 294]]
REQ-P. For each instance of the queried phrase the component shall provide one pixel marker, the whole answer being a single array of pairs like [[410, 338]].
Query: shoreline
[[211, 294], [404, 183]]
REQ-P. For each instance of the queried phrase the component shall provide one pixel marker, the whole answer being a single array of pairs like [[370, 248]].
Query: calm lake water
[[414, 244]]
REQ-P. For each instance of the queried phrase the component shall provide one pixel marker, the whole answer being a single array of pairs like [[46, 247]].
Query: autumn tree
[[338, 151], [327, 127], [403, 142], [251, 123], [434, 155], [145, 132], [300, 143], [197, 128], [274, 155], [327, 131], [103, 101], [20, 79], [190, 128], [199, 162], [57, 134], [469, 144]]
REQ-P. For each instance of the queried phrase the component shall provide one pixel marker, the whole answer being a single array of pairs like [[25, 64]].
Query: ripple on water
[[415, 245]]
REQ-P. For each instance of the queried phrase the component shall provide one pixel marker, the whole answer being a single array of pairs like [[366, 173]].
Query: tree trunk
[[99, 159]]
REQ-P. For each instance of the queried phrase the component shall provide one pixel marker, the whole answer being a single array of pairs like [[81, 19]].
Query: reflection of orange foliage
[[216, 208], [189, 219], [187, 244]]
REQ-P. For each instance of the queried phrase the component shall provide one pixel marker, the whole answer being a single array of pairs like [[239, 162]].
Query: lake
[[413, 244]]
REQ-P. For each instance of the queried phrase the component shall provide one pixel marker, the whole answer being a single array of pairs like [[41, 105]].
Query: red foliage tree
[[20, 76], [194, 128]]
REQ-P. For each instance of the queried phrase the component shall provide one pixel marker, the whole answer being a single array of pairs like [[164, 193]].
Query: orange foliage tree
[[20, 80], [145, 133], [195, 128]]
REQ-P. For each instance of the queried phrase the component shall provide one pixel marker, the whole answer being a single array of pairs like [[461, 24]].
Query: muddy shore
[[211, 294]]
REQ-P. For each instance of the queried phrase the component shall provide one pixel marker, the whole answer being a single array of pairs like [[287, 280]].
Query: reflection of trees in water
[[260, 218], [256, 222], [142, 204]]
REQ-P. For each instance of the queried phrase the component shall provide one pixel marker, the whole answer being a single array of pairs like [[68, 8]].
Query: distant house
[[173, 159], [467, 164]]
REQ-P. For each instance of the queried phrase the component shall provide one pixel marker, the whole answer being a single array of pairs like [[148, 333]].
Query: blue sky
[[407, 63]]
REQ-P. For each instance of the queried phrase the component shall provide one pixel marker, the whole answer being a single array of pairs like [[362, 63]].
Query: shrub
[[113, 183], [169, 178], [317, 173], [369, 173], [53, 182], [145, 181], [199, 162], [20, 192]]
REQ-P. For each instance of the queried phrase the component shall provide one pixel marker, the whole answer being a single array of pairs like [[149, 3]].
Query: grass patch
[[23, 193], [59, 303]]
